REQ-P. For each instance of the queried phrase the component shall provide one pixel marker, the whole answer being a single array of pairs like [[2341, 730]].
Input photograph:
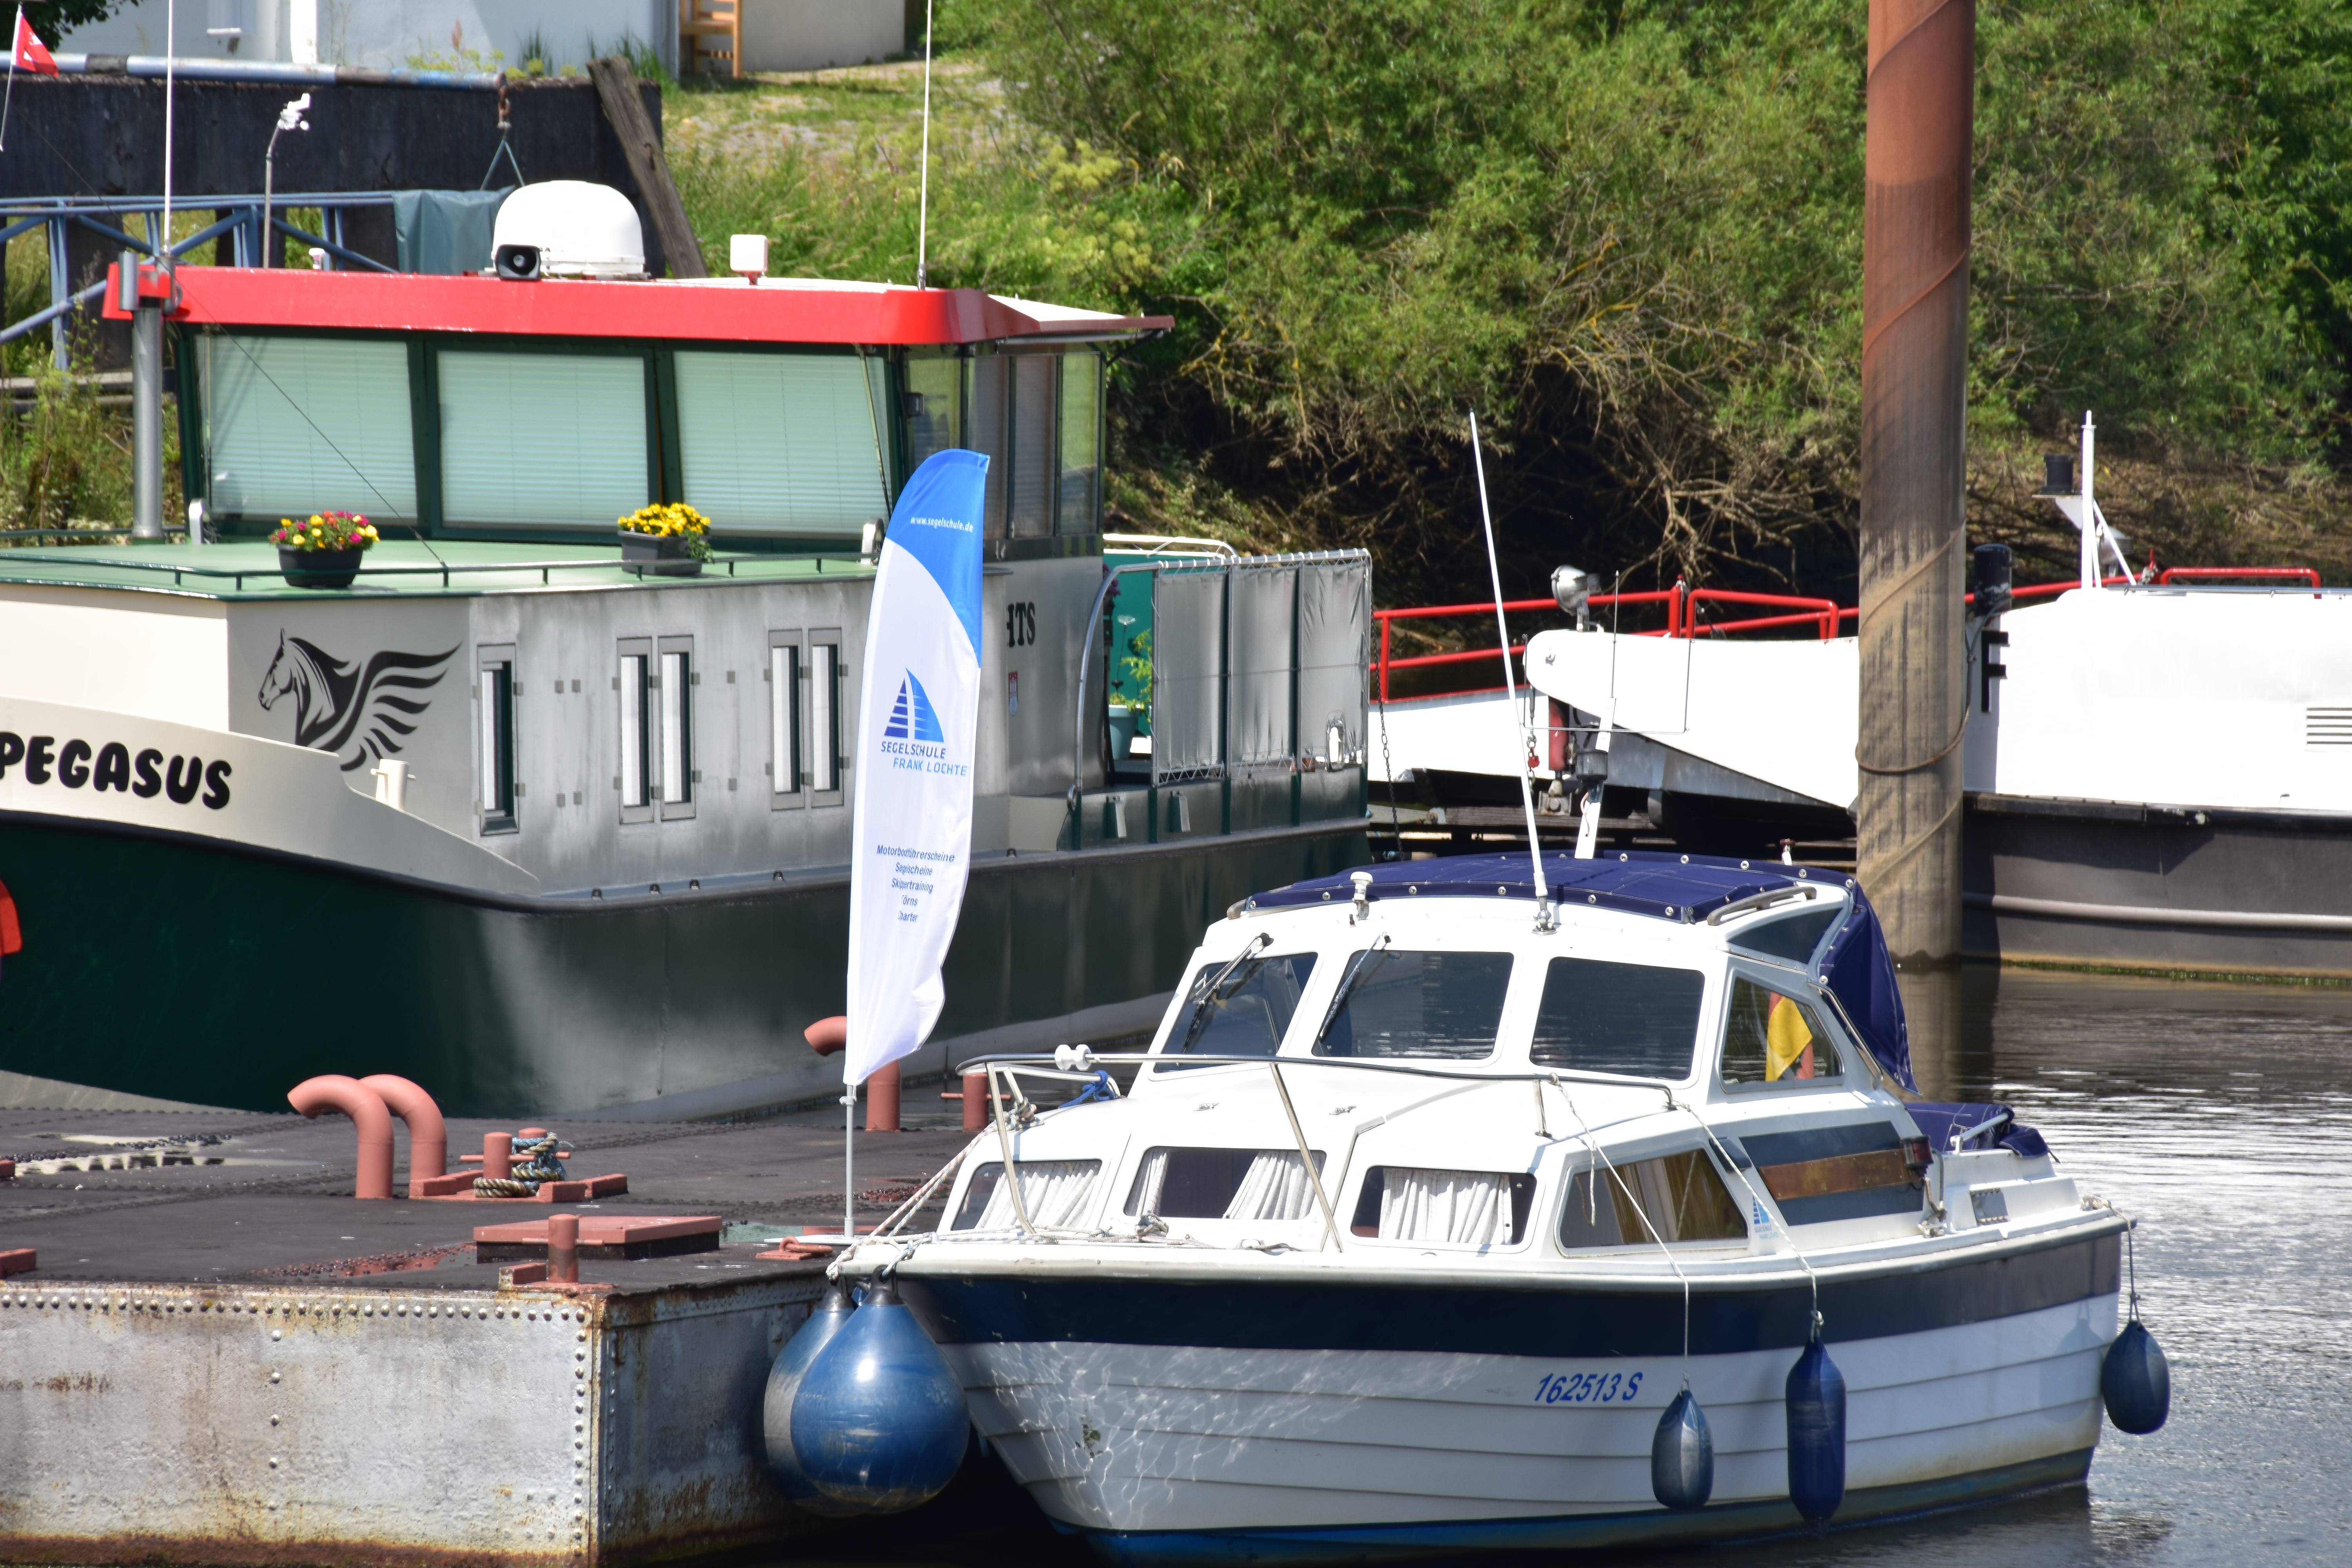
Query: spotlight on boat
[[2136, 1380], [2058, 474], [878, 1424], [784, 1381], [1573, 589], [1816, 1405], [1682, 1455]]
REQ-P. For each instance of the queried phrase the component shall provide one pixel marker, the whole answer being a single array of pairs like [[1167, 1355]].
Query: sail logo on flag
[[912, 718]]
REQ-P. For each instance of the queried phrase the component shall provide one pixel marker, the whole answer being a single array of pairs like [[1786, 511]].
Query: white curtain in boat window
[[541, 440], [1053, 1191], [296, 426], [1469, 1208], [1150, 1181], [1276, 1187], [776, 443]]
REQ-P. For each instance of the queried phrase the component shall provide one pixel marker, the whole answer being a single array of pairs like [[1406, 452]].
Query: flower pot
[[661, 555], [319, 568]]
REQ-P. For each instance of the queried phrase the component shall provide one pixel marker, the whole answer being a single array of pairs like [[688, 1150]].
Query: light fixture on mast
[[288, 119]]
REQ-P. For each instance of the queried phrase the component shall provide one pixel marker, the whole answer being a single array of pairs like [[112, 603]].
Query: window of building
[[496, 789], [296, 424], [1398, 1002], [1634, 1019], [1079, 504], [780, 443], [675, 774], [824, 766], [787, 771], [540, 440], [1641, 1203], [1770, 1038], [634, 686]]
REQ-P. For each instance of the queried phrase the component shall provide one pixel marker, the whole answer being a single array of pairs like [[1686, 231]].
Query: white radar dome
[[582, 230]]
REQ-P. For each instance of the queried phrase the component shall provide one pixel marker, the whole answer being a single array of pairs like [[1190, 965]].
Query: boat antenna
[[923, 201], [1545, 918], [170, 63]]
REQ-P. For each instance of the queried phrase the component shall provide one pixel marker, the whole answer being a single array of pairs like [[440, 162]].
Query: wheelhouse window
[[293, 425], [988, 427], [1451, 1208], [934, 408], [495, 787], [1771, 1038], [675, 774], [1080, 502], [541, 440], [824, 766], [1033, 478], [1223, 1184], [1640, 1203], [787, 774], [634, 686], [1391, 1001], [1638, 1019], [780, 443], [1241, 1009], [1055, 1192]]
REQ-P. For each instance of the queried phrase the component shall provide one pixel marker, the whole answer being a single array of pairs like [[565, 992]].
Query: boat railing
[[444, 570]]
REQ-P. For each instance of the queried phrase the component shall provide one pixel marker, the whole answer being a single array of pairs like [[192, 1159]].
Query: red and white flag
[[31, 54]]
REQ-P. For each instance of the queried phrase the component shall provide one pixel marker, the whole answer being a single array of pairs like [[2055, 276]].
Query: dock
[[221, 1356]]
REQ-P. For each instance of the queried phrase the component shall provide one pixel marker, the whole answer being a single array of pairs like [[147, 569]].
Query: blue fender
[[1816, 1406], [879, 1423]]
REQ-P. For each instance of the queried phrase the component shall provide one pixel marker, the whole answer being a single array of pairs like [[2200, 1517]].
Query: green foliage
[[64, 460]]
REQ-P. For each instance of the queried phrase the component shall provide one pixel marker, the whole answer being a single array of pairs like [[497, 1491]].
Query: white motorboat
[[1438, 1187]]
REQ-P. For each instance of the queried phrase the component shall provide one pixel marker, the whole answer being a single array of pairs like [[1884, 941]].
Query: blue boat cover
[[1854, 967], [1939, 1119]]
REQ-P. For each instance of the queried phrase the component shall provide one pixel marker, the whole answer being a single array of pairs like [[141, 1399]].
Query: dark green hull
[[187, 969]]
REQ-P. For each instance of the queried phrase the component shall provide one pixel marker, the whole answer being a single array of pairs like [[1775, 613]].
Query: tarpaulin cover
[[1859, 971], [445, 232], [1939, 1119]]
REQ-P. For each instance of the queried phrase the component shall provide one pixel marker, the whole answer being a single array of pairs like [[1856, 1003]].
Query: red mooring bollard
[[975, 1101], [882, 1099], [333, 1091], [428, 1138], [498, 1154], [563, 1248]]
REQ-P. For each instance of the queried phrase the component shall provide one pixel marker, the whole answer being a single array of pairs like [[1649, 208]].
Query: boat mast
[[1544, 917]]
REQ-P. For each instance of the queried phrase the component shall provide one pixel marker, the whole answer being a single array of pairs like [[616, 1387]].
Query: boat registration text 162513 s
[[1587, 1388]]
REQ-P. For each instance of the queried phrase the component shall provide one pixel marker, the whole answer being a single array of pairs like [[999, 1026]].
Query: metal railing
[[109, 218], [444, 570]]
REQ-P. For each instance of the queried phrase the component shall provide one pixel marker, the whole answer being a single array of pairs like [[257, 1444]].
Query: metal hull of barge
[[692, 1000]]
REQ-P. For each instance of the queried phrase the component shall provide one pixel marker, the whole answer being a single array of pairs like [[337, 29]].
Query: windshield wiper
[[1358, 967], [1206, 997]]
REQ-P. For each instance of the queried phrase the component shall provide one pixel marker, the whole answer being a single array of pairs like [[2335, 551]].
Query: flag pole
[[923, 202], [170, 61], [8, 96]]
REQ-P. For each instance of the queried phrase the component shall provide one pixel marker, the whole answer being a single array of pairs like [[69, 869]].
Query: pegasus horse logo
[[357, 713]]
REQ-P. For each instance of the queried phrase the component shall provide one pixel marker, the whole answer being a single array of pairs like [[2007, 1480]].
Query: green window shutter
[[304, 424], [779, 443], [548, 440]]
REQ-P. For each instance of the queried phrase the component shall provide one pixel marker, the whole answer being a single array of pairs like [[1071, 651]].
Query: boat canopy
[[1853, 966]]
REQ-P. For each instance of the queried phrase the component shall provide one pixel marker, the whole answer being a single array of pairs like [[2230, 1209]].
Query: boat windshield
[[1792, 938], [1770, 1038], [1632, 1019], [1419, 1003], [1241, 1009]]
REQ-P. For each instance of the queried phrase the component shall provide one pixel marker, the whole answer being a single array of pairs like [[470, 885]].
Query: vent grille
[[2327, 726]]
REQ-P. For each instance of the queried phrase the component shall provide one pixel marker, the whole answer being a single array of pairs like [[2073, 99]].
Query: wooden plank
[[616, 88], [1837, 1174]]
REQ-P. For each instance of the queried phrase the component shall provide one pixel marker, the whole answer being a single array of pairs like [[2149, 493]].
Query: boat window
[[787, 771], [823, 766], [542, 440], [1634, 1019], [1459, 1208], [934, 407], [1770, 1039], [1033, 474], [494, 759], [1223, 1184], [779, 443], [293, 425], [1396, 1001], [635, 686], [988, 421], [1792, 937], [1055, 1193], [1678, 1197], [1241, 1009], [673, 774], [1081, 453]]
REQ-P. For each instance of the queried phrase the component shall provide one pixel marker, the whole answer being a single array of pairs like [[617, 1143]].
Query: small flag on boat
[[31, 55], [918, 720]]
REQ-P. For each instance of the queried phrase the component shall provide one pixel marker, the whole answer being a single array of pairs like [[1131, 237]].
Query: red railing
[[1681, 612], [2303, 574]]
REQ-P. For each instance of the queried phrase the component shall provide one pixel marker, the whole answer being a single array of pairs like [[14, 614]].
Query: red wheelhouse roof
[[774, 310]]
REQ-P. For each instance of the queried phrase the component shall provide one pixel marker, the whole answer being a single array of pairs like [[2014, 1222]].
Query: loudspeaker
[[518, 263]]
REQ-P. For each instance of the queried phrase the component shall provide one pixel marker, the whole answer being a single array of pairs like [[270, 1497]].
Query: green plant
[[325, 531], [1135, 666]]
